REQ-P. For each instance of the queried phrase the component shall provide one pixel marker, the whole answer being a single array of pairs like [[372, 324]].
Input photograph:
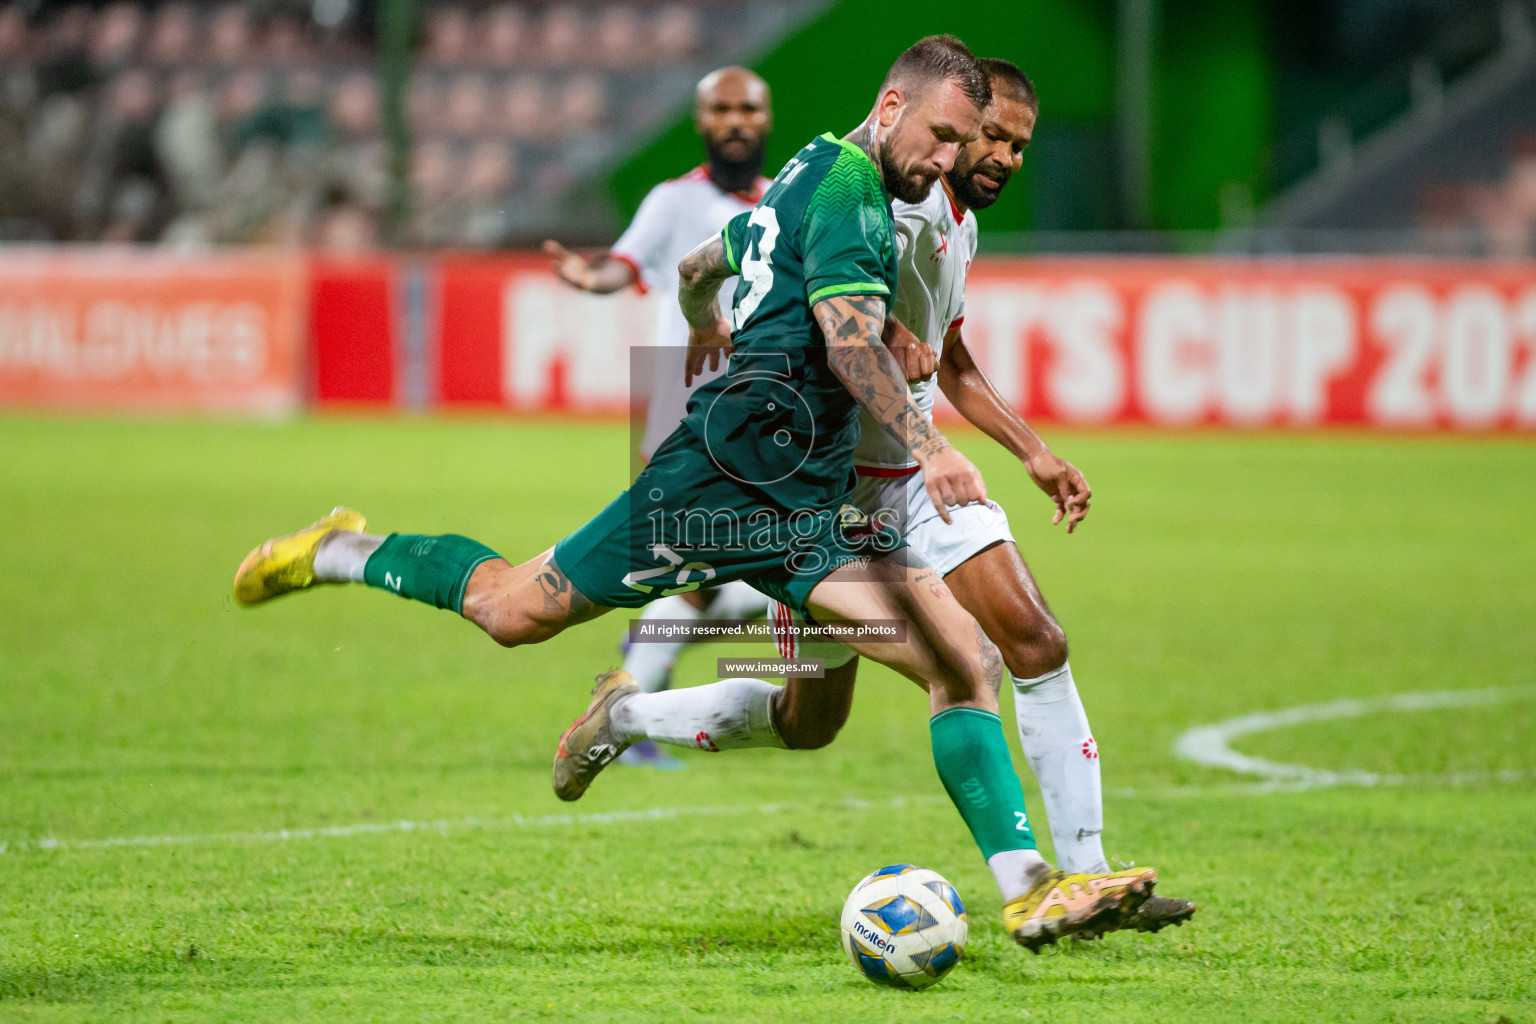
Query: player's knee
[[1034, 646], [509, 635], [972, 676], [510, 628], [809, 735], [801, 730]]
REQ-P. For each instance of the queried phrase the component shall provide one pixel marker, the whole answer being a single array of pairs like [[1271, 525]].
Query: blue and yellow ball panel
[[946, 892], [873, 965], [937, 962], [886, 872], [894, 869], [899, 916]]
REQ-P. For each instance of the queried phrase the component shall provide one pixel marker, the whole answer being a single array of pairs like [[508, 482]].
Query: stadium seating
[[206, 123]]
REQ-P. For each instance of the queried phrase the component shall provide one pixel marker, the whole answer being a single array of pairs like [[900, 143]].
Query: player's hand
[[705, 347], [951, 480], [1063, 483], [917, 359], [570, 267]]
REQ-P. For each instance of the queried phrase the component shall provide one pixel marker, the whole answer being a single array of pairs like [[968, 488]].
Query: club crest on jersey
[[938, 254]]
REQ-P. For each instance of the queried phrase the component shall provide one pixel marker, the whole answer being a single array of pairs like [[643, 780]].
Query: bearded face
[[910, 183], [984, 166], [735, 160], [921, 140], [977, 184]]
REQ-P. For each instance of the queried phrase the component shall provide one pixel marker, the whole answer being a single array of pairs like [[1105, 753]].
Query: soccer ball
[[904, 926]]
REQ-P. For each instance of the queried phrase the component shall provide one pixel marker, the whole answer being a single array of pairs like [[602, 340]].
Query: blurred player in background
[[975, 552], [733, 114]]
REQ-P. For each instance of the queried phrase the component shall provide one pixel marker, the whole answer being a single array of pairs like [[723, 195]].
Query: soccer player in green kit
[[755, 484]]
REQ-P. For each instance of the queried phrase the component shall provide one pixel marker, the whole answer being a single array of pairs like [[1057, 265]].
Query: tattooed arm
[[852, 325], [699, 277]]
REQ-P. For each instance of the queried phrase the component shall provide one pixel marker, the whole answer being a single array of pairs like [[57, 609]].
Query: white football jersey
[[674, 218], [934, 249]]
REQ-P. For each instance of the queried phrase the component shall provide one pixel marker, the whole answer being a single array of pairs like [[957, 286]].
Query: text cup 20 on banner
[[1383, 343]]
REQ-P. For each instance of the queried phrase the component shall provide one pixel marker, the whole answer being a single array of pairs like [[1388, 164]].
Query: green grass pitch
[[1218, 575]]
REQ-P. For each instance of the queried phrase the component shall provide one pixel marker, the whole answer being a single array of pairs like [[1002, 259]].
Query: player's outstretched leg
[[650, 661], [946, 651], [514, 604], [996, 587], [285, 564], [732, 714]]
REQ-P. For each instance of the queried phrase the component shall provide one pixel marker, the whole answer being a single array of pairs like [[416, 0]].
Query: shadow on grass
[[785, 943], [108, 978], [741, 934]]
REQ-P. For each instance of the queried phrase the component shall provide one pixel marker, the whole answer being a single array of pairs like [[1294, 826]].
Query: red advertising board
[[352, 333], [1254, 343], [126, 329], [510, 334], [1385, 343], [1257, 343]]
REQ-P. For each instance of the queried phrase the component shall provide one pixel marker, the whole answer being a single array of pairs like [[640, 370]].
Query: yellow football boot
[[284, 564], [1060, 904]]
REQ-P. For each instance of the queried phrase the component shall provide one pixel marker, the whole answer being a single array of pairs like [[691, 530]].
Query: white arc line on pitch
[[451, 825], [1208, 744]]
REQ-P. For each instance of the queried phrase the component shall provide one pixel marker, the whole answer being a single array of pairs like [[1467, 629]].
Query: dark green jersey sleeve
[[846, 235], [735, 235]]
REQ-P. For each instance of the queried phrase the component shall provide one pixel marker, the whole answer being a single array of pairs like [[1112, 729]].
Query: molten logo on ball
[[904, 926]]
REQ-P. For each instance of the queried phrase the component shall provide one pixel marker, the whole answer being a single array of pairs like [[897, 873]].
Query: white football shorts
[[944, 546]]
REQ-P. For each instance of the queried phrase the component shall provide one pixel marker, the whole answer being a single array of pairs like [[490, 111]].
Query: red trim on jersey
[[887, 472], [756, 195], [781, 634], [959, 217], [701, 173], [634, 271], [953, 207], [956, 322]]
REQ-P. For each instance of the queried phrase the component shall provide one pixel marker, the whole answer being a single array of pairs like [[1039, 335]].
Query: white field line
[[1209, 744], [444, 826], [1206, 745]]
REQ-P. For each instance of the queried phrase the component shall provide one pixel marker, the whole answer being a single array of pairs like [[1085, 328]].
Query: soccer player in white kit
[[733, 114], [974, 551]]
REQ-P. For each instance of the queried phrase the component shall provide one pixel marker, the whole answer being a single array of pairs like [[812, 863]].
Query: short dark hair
[[934, 59], [1005, 76]]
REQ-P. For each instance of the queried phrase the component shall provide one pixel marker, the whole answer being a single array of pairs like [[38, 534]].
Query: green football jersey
[[779, 419]]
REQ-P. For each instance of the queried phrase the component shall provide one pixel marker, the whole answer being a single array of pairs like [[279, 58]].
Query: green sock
[[434, 570], [973, 762]]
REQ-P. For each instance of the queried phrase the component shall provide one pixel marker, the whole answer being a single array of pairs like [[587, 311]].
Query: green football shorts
[[685, 523]]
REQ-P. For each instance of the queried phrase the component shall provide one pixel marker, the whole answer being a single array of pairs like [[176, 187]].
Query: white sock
[[651, 661], [343, 554], [737, 600], [1015, 871], [1060, 748], [728, 715]]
